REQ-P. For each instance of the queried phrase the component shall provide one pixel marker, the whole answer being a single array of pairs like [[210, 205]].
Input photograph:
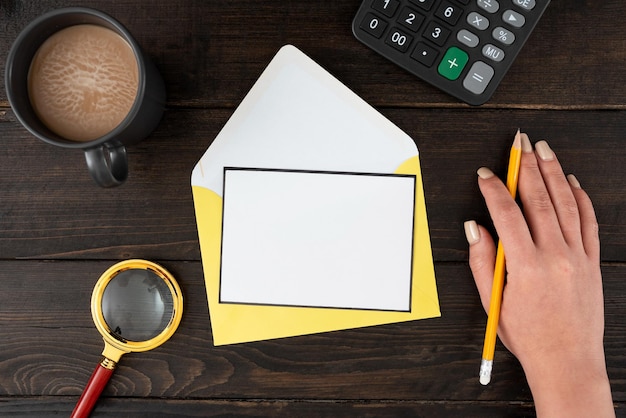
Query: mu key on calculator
[[464, 47]]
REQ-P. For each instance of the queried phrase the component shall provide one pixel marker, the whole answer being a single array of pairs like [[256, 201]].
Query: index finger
[[507, 216]]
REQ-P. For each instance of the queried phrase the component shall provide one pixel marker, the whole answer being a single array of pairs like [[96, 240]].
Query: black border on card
[[320, 172]]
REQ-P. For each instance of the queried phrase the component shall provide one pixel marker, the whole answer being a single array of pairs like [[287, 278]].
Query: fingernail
[[471, 232], [573, 181], [526, 145], [484, 173], [544, 151]]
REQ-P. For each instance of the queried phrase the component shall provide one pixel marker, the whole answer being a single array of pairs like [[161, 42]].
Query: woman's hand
[[552, 316]]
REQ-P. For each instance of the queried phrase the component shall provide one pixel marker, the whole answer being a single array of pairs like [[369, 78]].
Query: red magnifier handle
[[94, 388]]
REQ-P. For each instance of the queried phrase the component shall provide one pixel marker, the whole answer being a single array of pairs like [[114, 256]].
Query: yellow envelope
[[298, 117]]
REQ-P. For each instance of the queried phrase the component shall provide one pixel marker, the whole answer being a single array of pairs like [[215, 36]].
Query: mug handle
[[108, 165]]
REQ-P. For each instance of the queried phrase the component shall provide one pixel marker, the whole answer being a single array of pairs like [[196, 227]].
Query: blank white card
[[317, 239]]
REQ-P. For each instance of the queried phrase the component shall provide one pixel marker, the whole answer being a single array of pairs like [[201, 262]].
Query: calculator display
[[464, 47]]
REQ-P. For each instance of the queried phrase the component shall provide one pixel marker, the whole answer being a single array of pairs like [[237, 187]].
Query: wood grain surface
[[59, 231]]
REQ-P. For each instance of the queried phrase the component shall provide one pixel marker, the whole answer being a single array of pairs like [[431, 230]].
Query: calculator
[[463, 47]]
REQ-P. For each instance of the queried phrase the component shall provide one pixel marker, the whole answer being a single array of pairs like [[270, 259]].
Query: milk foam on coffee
[[83, 81]]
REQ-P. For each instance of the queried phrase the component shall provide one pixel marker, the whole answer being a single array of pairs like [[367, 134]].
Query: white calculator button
[[467, 38], [478, 21], [478, 77], [493, 53], [503, 35], [525, 4], [490, 6], [517, 20]]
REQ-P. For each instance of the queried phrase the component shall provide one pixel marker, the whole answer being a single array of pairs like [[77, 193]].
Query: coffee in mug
[[83, 81], [76, 78]]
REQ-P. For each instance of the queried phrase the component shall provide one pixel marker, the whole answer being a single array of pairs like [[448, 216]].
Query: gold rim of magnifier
[[103, 327]]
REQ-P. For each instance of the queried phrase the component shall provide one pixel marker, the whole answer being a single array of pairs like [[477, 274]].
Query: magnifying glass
[[136, 306]]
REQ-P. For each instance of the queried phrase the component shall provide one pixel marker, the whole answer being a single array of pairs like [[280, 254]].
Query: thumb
[[482, 258]]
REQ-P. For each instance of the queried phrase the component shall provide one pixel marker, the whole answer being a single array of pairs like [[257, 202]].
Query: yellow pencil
[[498, 275]]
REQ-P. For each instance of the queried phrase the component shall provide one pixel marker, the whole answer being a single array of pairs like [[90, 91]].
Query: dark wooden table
[[59, 231]]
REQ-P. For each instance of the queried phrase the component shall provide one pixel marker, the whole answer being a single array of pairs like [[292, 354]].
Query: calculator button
[[478, 21], [478, 77], [514, 19], [493, 53], [490, 6], [424, 4], [436, 33], [386, 7], [399, 40], [525, 4], [453, 63], [424, 54], [463, 1], [467, 38], [410, 19], [503, 35], [373, 25], [449, 13]]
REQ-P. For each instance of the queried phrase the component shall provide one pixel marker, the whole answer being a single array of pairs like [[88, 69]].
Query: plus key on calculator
[[464, 47]]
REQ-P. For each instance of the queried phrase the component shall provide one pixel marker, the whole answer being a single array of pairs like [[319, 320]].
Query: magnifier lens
[[137, 305]]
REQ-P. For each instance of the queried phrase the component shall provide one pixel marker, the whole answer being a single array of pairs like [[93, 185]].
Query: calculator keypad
[[463, 47]]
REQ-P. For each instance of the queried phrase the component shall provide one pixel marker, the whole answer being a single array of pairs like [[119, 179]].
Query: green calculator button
[[453, 63]]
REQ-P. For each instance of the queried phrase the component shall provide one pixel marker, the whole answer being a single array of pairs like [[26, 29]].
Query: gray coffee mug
[[106, 156]]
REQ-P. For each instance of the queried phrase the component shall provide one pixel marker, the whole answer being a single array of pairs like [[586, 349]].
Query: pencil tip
[[517, 142]]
